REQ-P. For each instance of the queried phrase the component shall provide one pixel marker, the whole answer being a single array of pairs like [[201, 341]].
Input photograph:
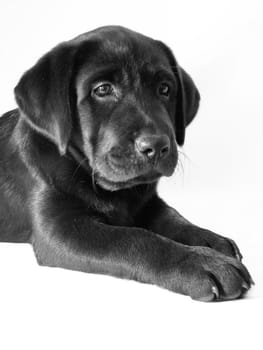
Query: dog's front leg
[[158, 217], [66, 236]]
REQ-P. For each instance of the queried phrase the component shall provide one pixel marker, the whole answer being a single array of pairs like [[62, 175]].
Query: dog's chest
[[121, 218], [119, 213]]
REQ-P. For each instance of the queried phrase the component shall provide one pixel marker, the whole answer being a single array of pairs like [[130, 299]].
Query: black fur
[[78, 170]]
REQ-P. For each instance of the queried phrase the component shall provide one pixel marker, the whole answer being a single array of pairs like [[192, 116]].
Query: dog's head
[[118, 97]]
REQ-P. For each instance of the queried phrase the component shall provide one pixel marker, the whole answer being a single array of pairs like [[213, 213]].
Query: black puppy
[[98, 122]]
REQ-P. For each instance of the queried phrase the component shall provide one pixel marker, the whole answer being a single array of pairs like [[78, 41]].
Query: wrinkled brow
[[105, 72], [159, 72]]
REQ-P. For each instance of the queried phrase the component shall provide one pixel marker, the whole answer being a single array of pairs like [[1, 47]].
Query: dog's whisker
[[182, 153], [93, 180], [180, 165], [77, 168]]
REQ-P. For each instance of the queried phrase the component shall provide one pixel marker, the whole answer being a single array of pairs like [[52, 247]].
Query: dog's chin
[[110, 185], [113, 176]]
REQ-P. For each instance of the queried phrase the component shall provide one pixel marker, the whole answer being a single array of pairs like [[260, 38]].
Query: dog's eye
[[164, 90], [103, 90]]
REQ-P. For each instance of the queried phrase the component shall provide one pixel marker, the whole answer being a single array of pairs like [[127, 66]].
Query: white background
[[218, 186]]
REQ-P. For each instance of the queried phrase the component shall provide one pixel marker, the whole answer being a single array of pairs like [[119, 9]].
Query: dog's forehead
[[120, 45]]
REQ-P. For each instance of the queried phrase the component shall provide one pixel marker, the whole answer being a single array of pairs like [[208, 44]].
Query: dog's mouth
[[111, 185], [114, 174]]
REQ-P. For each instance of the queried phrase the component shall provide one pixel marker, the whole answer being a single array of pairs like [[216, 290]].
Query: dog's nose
[[153, 145]]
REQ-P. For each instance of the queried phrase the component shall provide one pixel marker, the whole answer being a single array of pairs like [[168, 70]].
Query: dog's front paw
[[207, 275], [195, 236]]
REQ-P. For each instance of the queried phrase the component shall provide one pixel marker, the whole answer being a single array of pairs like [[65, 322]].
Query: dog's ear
[[188, 97], [43, 95]]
